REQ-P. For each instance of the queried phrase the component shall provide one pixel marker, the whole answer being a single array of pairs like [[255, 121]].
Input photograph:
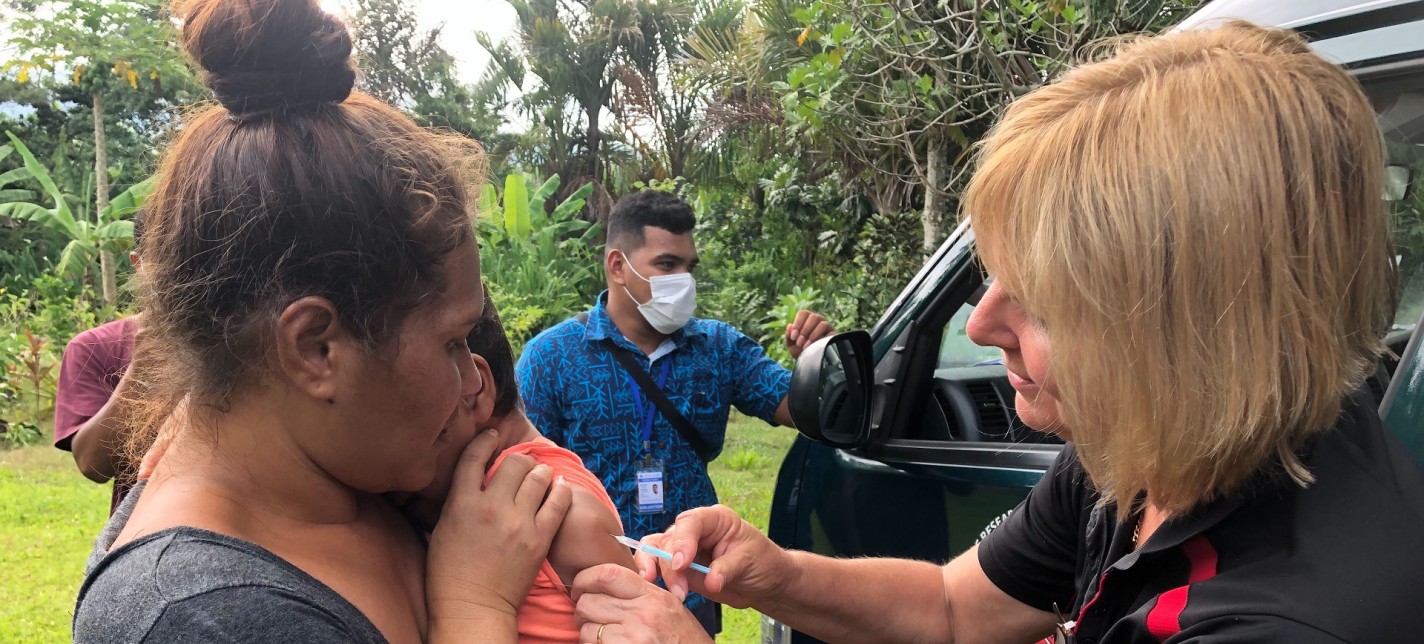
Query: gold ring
[[598, 638]]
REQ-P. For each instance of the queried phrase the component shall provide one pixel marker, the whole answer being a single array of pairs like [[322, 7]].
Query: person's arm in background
[[760, 384], [88, 418]]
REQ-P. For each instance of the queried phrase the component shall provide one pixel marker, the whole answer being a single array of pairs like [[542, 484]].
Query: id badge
[[650, 487]]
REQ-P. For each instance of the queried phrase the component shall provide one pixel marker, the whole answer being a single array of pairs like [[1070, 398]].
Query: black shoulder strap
[[660, 400]]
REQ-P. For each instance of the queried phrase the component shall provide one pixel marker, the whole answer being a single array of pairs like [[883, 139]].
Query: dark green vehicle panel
[[919, 512]]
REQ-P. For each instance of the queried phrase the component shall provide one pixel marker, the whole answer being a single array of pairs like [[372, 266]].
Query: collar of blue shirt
[[600, 327]]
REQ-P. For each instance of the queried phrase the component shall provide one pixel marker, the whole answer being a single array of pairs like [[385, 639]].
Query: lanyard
[[645, 411]]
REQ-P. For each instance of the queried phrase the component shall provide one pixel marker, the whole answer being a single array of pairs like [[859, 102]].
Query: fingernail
[[494, 433], [677, 561], [560, 480], [679, 592]]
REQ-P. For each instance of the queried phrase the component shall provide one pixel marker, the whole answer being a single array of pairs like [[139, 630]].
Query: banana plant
[[547, 259], [11, 177], [109, 231]]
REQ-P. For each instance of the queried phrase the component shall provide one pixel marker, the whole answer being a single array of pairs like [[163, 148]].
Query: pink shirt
[[93, 363], [547, 614]]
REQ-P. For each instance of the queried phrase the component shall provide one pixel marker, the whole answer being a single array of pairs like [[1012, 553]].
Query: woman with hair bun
[[310, 277]]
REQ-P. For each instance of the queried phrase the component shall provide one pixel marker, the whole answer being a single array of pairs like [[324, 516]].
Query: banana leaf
[[22, 210], [129, 201], [574, 203], [60, 214], [489, 202], [111, 235], [12, 176], [516, 207], [78, 255], [16, 194]]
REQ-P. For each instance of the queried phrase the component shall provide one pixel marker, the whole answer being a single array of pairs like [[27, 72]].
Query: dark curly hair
[[655, 208]]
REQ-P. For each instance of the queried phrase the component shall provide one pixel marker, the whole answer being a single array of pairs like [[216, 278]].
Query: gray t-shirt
[[190, 585]]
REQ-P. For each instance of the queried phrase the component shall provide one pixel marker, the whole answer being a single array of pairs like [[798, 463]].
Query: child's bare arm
[[583, 540]]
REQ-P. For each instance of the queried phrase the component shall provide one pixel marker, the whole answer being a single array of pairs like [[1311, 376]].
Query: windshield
[[1399, 101], [1400, 104]]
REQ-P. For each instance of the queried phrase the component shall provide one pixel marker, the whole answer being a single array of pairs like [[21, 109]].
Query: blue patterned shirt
[[578, 395]]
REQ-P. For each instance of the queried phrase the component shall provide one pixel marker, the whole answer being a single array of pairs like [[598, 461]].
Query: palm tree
[[571, 46]]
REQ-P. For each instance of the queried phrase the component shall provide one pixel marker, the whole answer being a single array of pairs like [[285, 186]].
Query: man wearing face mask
[[639, 388]]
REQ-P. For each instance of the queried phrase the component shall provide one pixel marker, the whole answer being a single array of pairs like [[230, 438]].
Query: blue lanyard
[[646, 415]]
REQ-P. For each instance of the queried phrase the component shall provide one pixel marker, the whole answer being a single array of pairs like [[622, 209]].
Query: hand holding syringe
[[661, 554]]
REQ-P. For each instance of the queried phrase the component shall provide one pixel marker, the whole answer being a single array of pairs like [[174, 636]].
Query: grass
[[48, 521], [50, 515]]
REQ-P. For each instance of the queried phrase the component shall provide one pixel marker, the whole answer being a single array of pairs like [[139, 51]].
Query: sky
[[462, 18]]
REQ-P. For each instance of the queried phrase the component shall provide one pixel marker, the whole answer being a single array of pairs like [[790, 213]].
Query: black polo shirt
[[1339, 561]]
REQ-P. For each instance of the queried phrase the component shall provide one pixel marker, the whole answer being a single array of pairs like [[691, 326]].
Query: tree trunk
[[593, 142], [933, 218], [101, 201]]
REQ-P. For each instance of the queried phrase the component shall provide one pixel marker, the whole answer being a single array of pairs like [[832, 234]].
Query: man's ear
[[614, 263], [312, 346], [481, 403]]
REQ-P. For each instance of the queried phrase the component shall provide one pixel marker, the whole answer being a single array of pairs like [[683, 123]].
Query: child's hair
[[489, 341], [292, 185], [1197, 221]]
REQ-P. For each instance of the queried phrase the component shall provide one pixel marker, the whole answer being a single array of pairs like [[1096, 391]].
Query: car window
[[1400, 103], [956, 349]]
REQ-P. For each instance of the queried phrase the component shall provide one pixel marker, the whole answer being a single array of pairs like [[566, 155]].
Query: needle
[[661, 554]]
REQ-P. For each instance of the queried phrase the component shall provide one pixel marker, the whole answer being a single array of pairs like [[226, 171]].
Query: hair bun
[[264, 55]]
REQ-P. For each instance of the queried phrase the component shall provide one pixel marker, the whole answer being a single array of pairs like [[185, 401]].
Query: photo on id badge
[[650, 486]]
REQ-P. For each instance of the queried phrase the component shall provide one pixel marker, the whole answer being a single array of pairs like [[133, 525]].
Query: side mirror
[[830, 390]]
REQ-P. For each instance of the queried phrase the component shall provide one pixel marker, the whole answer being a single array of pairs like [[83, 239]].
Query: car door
[[946, 456]]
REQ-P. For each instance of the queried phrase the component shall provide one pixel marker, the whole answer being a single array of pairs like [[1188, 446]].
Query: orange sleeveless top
[[547, 614]]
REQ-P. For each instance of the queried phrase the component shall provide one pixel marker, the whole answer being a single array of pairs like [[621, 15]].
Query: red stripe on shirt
[[1165, 618]]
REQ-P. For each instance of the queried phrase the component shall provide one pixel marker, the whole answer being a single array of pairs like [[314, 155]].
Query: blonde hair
[[1198, 222]]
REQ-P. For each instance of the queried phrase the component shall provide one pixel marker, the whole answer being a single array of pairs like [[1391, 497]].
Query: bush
[[542, 265], [35, 325]]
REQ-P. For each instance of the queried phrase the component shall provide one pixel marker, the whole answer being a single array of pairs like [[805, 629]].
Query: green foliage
[[99, 45], [109, 231], [773, 329], [412, 70], [743, 460], [35, 325], [542, 264]]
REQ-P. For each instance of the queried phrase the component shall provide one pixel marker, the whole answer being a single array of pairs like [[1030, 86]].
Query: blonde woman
[[1192, 274]]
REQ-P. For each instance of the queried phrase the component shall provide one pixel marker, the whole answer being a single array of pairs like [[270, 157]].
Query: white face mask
[[674, 299]]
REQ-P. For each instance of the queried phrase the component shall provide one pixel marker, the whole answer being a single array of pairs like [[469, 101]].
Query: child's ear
[[482, 402]]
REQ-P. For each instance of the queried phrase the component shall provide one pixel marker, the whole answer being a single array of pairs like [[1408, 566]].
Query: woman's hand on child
[[490, 540]]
